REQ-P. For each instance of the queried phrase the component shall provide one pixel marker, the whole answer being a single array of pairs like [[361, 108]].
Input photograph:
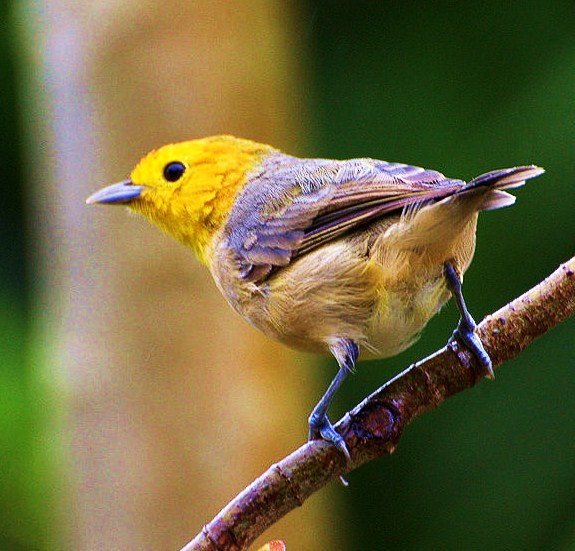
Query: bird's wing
[[287, 211]]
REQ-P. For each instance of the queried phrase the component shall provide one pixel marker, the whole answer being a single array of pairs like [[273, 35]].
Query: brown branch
[[374, 427]]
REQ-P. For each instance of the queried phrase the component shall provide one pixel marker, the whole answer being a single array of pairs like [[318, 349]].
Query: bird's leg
[[345, 352], [466, 327]]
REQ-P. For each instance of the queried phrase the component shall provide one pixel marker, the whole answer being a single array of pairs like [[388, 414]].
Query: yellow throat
[[193, 207]]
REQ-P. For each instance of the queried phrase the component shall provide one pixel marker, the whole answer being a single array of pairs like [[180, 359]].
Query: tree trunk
[[153, 357]]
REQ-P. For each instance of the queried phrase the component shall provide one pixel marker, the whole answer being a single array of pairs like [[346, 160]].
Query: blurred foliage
[[26, 505], [12, 235], [466, 88], [27, 502]]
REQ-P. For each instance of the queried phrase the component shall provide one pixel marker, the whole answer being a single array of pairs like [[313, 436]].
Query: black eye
[[174, 171]]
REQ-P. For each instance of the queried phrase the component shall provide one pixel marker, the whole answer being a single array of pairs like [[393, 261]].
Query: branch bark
[[374, 427]]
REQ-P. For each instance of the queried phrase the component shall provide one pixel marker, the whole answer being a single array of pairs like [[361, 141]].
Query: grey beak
[[120, 193]]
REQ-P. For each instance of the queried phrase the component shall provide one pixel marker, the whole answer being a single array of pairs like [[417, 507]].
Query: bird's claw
[[465, 333], [322, 427]]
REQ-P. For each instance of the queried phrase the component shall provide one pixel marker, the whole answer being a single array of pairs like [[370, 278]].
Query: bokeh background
[[133, 403]]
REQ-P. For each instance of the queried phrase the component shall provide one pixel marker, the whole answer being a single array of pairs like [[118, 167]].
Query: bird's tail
[[439, 224], [497, 181]]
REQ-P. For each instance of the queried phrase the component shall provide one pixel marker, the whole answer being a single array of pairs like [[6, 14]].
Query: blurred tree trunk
[[152, 355]]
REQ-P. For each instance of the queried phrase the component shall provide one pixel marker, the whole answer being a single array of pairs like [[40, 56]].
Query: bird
[[349, 258]]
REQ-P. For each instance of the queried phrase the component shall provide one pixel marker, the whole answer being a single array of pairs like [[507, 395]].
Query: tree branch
[[374, 427]]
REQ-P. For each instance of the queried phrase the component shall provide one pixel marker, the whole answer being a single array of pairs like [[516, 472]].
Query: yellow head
[[188, 188]]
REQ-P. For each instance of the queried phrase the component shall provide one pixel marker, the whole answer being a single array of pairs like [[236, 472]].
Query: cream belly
[[377, 288], [401, 317], [335, 292]]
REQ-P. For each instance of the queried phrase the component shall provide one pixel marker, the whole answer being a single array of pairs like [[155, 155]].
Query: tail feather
[[505, 178], [497, 199], [498, 180], [441, 223]]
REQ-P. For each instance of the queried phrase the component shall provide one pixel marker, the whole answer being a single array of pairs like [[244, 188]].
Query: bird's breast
[[343, 289]]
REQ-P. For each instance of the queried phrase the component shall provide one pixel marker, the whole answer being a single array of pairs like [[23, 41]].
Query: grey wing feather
[[296, 205], [268, 220]]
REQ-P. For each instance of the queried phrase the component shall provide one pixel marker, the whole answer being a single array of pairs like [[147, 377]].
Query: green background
[[27, 469], [459, 87], [466, 88]]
